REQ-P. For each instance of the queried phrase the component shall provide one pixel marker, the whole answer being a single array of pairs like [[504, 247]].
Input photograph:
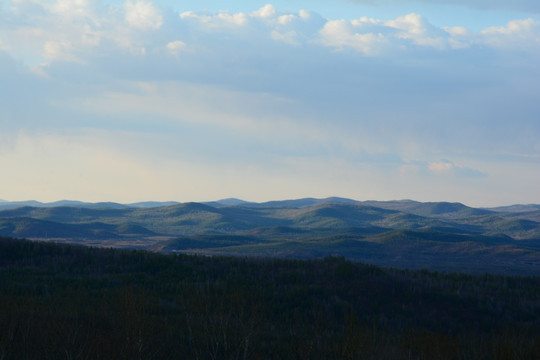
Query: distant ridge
[[516, 208], [99, 205], [15, 204], [66, 203], [4, 205], [228, 202], [407, 205], [150, 204], [442, 208], [405, 233], [304, 202], [296, 203]]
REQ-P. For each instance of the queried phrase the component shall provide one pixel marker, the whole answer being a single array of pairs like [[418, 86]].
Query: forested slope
[[65, 301]]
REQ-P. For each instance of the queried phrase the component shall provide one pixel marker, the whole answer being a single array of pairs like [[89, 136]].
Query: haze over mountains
[[436, 235], [4, 204]]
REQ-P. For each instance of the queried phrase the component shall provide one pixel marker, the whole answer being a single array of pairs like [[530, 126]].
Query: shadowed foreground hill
[[62, 301]]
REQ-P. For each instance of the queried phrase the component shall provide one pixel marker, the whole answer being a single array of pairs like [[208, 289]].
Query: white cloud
[[460, 37], [364, 20], [289, 37], [257, 26], [53, 49], [40, 70], [517, 34], [266, 11], [223, 18], [71, 8], [176, 47], [62, 50], [457, 31], [286, 19], [411, 24], [340, 34], [188, 15], [305, 14], [513, 27], [441, 167], [416, 28], [409, 169], [449, 168], [143, 15], [513, 5], [238, 19], [377, 37]]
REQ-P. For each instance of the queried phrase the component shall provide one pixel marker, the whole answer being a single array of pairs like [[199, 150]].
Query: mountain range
[[407, 234]]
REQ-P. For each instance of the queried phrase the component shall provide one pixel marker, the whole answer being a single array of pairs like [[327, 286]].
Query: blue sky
[[137, 100]]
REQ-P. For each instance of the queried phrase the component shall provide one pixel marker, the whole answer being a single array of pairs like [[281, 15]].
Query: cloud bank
[[514, 5], [366, 107]]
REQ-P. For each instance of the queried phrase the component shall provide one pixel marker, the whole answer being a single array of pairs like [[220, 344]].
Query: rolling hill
[[442, 236]]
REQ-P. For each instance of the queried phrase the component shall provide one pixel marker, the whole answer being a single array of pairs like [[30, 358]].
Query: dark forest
[[62, 301]]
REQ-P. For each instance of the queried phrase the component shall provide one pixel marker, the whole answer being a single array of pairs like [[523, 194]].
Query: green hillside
[[43, 229]]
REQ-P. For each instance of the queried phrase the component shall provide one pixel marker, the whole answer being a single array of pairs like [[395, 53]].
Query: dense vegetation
[[62, 301]]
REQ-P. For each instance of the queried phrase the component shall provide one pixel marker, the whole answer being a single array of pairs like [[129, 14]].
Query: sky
[[135, 100]]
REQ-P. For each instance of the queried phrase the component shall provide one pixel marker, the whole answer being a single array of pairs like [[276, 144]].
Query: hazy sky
[[192, 101]]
